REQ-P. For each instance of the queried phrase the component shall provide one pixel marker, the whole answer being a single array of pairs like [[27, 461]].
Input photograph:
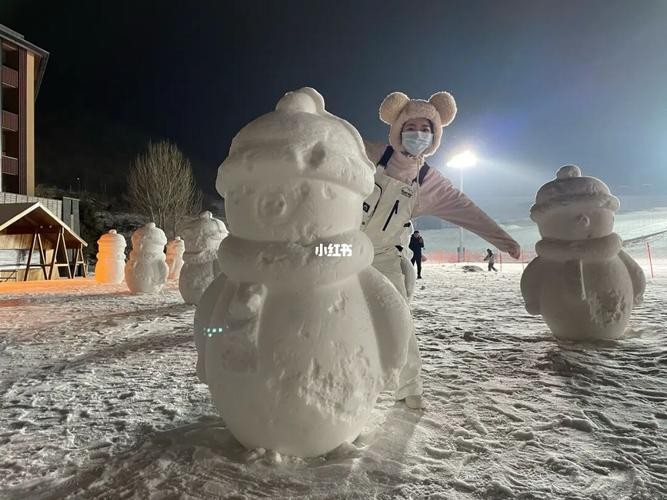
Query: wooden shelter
[[35, 244]]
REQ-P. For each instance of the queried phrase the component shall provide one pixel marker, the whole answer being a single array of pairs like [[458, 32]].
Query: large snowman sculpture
[[110, 258], [175, 251], [582, 282], [146, 270], [299, 334], [202, 236]]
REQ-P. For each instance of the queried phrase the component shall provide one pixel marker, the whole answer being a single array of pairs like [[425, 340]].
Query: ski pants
[[417, 259], [409, 380]]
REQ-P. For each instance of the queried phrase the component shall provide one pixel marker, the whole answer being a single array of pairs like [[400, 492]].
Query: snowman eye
[[317, 155], [583, 220], [272, 205]]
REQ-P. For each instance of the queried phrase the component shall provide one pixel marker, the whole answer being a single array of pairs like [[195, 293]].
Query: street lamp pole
[[462, 161], [460, 250]]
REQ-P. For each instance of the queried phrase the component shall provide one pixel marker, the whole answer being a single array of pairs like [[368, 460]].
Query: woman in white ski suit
[[406, 187]]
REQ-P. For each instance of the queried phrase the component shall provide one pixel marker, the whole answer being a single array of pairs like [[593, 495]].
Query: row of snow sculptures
[[582, 282], [296, 347], [175, 250], [111, 267], [110, 258], [146, 270], [202, 236]]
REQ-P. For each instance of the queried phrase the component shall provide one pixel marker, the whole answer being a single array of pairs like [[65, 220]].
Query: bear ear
[[391, 106], [445, 104]]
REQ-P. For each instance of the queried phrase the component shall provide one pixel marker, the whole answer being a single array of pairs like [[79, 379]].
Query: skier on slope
[[405, 187], [491, 259]]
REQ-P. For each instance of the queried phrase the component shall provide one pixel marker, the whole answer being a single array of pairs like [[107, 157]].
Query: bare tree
[[162, 186]]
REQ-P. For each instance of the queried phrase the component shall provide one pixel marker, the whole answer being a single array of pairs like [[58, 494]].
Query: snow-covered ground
[[99, 399]]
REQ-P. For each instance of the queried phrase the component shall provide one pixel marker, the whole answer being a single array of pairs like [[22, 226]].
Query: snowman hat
[[397, 108], [204, 225], [149, 233], [571, 189], [299, 140]]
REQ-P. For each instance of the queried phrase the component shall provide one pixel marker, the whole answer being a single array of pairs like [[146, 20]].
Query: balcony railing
[[10, 77], [56, 206], [10, 121], [10, 165]]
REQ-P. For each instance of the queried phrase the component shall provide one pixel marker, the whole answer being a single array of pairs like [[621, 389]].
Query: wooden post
[[32, 249], [54, 257], [66, 263], [42, 255], [79, 261], [650, 260], [55, 263]]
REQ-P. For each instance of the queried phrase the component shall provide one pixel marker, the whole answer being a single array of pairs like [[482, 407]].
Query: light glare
[[466, 159]]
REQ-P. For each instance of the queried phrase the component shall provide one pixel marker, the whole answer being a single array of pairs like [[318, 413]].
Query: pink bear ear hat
[[397, 108]]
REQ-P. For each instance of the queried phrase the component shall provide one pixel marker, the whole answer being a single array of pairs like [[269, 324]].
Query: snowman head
[[176, 246], [573, 207], [112, 242], [296, 174], [149, 239], [203, 232]]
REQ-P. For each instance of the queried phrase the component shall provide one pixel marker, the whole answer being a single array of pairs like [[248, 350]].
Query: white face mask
[[416, 142]]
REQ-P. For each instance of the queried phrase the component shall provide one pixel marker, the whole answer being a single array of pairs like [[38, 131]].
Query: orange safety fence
[[472, 256], [652, 258]]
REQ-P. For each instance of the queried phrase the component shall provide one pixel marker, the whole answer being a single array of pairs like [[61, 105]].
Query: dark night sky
[[538, 84]]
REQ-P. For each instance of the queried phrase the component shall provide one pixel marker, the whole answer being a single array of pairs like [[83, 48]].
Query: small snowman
[[110, 258], [299, 333], [175, 250], [582, 282], [146, 270], [202, 236]]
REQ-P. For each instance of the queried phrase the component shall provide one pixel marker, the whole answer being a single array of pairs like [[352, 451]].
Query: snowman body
[[202, 236], [295, 343], [175, 250], [146, 269], [110, 266], [582, 282]]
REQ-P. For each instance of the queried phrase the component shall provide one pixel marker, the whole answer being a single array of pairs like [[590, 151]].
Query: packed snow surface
[[99, 399]]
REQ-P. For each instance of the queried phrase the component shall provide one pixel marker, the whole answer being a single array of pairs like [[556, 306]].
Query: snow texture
[[308, 340], [146, 270], [175, 251], [110, 266], [202, 236], [582, 282], [99, 399]]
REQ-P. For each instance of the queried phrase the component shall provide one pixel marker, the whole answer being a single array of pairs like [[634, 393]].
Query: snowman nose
[[583, 220]]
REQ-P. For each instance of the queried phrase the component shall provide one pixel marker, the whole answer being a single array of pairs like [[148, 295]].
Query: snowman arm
[[438, 197], [409, 275], [216, 297], [391, 319], [530, 286], [636, 275]]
